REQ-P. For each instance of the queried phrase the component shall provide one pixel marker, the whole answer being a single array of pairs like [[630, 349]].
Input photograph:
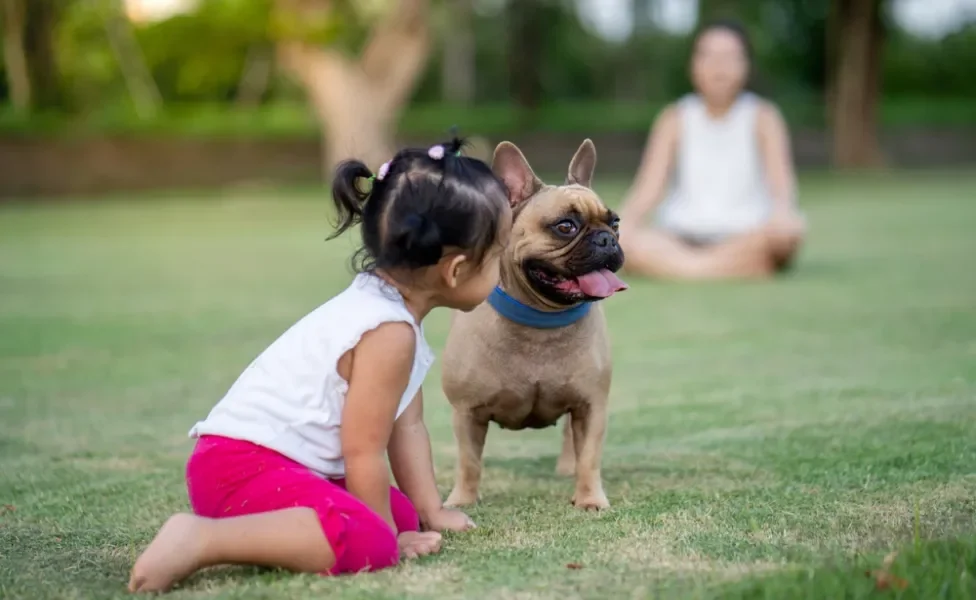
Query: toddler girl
[[290, 467]]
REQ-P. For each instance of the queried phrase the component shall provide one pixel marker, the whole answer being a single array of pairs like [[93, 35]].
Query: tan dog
[[539, 349]]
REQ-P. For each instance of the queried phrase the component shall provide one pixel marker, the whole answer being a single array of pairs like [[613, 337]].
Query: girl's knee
[[368, 545], [404, 514]]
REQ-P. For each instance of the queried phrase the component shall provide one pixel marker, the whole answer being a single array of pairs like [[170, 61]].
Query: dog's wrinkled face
[[564, 247]]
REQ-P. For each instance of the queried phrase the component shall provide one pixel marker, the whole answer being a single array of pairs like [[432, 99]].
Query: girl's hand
[[445, 519], [415, 543]]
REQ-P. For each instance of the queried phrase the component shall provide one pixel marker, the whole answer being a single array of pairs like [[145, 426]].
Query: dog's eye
[[615, 225], [566, 227]]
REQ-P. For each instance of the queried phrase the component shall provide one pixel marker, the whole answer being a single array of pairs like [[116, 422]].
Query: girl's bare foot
[[175, 553]]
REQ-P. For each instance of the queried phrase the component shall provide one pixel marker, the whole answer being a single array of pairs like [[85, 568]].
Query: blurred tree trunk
[[41, 19], [458, 47], [14, 56], [526, 28], [855, 41], [359, 100], [256, 76], [142, 87]]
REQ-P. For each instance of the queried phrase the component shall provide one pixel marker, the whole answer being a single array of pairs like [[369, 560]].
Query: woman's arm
[[655, 169], [774, 144], [413, 469], [378, 375]]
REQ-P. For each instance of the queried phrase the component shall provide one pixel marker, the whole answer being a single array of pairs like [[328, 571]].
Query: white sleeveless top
[[719, 187], [290, 398]]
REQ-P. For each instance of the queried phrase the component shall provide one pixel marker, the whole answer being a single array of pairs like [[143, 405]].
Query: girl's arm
[[378, 374], [654, 171], [413, 469]]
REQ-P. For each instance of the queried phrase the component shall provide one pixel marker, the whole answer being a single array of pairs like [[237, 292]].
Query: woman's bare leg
[[755, 255], [290, 539], [658, 254]]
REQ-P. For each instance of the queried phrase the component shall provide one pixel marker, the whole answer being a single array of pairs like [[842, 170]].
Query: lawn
[[766, 439]]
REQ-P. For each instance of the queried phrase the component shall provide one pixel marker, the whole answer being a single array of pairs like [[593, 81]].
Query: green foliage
[[294, 120], [208, 61], [199, 58], [89, 70], [943, 68]]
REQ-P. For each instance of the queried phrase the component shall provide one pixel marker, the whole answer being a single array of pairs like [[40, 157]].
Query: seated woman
[[730, 211]]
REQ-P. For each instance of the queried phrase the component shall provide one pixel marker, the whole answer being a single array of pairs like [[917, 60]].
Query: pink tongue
[[600, 284]]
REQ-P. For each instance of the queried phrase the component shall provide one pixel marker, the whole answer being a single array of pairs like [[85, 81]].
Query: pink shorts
[[230, 478]]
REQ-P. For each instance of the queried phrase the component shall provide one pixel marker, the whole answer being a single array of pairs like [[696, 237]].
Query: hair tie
[[436, 152], [381, 172]]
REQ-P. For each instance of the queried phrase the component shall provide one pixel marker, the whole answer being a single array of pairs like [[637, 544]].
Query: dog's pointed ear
[[583, 164], [510, 166]]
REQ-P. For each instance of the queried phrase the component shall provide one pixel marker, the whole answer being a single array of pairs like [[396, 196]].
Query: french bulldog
[[539, 349]]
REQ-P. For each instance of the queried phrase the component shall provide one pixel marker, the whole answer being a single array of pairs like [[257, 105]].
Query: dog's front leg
[[589, 427], [566, 465], [470, 436]]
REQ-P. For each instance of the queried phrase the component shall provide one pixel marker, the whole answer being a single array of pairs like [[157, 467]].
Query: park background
[[163, 219], [114, 95]]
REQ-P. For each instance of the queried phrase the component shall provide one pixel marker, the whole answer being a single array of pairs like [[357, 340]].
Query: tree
[[358, 99], [526, 36], [15, 55], [39, 45], [29, 54], [138, 79], [718, 9], [855, 40], [458, 53]]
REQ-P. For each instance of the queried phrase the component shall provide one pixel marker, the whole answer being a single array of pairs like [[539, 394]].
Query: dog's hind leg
[[589, 429], [566, 465], [470, 435]]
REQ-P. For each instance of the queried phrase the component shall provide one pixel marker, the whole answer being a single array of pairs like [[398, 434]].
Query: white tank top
[[719, 187], [290, 398]]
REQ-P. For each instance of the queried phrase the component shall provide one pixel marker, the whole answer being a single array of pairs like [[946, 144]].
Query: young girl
[[289, 468]]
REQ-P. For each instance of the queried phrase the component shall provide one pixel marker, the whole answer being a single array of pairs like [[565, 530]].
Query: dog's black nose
[[604, 239]]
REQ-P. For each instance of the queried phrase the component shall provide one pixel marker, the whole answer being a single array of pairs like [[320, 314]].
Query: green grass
[[294, 120], [767, 440]]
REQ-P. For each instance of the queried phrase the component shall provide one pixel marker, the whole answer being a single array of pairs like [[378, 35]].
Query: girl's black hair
[[420, 207]]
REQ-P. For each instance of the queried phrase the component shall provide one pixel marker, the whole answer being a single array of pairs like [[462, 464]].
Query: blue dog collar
[[515, 311]]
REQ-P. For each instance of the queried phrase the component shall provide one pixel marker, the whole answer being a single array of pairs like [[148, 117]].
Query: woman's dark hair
[[423, 201], [732, 26], [739, 31]]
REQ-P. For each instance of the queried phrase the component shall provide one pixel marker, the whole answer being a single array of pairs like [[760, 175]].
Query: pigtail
[[348, 196], [455, 146]]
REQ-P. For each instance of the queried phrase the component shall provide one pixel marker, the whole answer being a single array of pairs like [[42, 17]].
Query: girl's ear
[[451, 270]]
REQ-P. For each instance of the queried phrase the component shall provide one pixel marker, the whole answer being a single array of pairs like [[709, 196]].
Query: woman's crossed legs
[[758, 254]]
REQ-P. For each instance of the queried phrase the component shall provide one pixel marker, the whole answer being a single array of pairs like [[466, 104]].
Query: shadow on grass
[[926, 569]]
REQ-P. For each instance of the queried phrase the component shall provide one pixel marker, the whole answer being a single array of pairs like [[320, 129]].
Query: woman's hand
[[786, 222], [446, 519], [415, 543]]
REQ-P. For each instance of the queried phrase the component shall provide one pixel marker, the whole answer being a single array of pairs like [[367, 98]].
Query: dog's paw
[[591, 501], [459, 498]]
